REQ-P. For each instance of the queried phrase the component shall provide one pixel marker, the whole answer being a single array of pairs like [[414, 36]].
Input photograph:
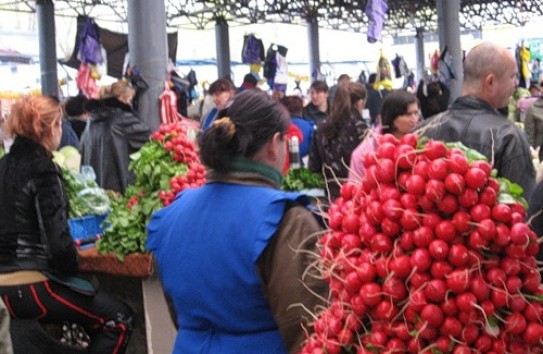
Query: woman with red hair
[[38, 259]]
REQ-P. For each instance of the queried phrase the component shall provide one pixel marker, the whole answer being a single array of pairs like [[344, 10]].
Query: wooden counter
[[134, 265]]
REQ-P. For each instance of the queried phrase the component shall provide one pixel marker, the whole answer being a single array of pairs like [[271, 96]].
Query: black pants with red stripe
[[107, 320]]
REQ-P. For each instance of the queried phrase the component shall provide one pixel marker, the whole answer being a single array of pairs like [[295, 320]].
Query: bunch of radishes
[[421, 257], [174, 139]]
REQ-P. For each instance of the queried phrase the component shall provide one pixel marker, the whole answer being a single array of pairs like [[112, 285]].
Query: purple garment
[[252, 51], [376, 11], [90, 50]]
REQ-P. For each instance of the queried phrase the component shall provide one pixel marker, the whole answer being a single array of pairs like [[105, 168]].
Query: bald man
[[490, 77]]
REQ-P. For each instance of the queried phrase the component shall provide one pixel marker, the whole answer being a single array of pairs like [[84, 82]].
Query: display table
[[134, 282]]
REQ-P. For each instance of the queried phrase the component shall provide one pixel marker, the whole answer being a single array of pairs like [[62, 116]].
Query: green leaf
[[135, 156]]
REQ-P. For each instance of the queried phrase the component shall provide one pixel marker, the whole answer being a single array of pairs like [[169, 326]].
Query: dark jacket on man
[[112, 134], [312, 113], [477, 125]]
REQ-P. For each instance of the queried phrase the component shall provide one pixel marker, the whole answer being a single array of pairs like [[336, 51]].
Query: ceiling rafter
[[337, 14]]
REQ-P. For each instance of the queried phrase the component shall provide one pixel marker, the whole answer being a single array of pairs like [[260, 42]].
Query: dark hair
[[242, 128], [435, 100], [294, 105], [394, 105], [343, 108], [319, 86], [372, 78], [221, 85], [250, 79], [75, 106]]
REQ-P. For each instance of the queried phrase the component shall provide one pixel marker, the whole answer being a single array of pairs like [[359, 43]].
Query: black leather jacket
[[112, 134], [34, 233], [477, 125]]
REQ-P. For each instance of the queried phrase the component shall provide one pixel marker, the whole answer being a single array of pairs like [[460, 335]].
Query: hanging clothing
[[275, 67], [445, 66], [280, 79], [523, 59], [376, 11], [384, 75], [252, 51]]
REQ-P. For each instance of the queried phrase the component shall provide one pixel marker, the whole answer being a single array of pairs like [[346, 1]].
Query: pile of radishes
[[421, 257]]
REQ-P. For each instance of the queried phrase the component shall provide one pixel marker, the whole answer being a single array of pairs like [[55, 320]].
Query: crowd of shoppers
[[253, 259]]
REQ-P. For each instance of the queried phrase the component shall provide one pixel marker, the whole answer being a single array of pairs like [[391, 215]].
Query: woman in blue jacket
[[232, 254]]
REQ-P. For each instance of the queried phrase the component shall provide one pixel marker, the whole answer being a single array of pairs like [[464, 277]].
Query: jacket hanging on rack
[[376, 11], [276, 67]]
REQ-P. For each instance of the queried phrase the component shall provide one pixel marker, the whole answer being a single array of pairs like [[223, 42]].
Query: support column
[[222, 41], [148, 51], [45, 10], [419, 40], [314, 50], [449, 35]]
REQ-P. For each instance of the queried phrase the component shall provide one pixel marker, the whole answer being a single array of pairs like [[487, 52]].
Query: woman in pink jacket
[[399, 115]]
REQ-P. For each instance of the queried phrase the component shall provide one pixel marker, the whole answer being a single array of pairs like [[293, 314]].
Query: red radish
[[401, 266], [416, 185], [451, 327], [483, 165], [496, 277], [392, 208], [432, 315], [515, 323], [448, 204], [390, 227], [487, 229], [488, 196], [435, 190], [421, 260], [435, 149], [421, 167], [461, 221], [480, 212], [438, 249], [465, 301], [437, 169], [479, 288], [385, 150], [458, 163], [405, 156], [458, 281], [409, 201], [445, 231], [410, 219], [435, 290], [370, 294], [409, 139], [385, 171], [454, 183], [349, 223], [520, 234], [423, 236], [395, 289], [533, 333], [440, 269], [475, 178], [458, 255], [468, 198], [419, 279]]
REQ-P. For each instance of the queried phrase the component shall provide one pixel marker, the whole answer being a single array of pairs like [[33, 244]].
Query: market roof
[[336, 14]]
